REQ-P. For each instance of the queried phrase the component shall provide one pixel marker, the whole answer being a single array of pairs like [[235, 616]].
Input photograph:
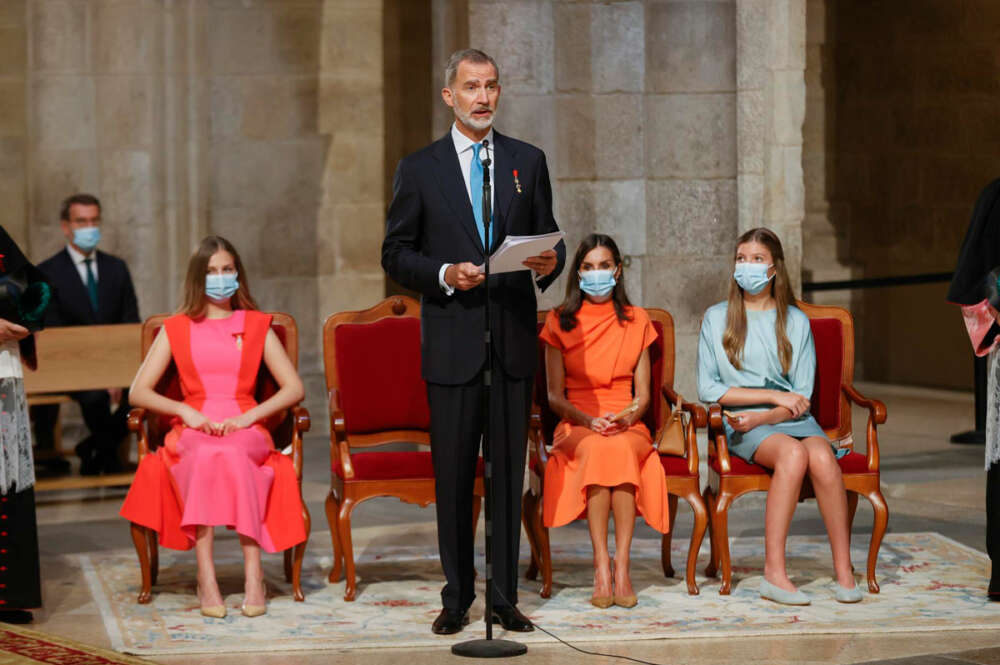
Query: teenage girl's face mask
[[752, 277], [221, 286]]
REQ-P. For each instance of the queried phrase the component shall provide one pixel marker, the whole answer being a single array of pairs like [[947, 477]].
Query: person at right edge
[[974, 287], [434, 242]]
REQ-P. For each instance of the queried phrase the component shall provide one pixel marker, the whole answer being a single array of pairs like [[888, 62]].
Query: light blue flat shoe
[[770, 592], [852, 595]]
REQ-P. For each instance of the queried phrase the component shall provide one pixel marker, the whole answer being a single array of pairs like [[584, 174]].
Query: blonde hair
[[195, 300], [735, 336]]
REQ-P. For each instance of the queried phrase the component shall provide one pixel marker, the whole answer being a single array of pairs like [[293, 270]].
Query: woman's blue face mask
[[597, 283], [752, 277], [221, 286]]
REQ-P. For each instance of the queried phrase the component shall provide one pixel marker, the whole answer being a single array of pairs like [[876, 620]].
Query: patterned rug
[[928, 583], [22, 646]]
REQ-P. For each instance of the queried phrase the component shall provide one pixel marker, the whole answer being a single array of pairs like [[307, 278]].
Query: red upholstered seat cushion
[[378, 367], [675, 466], [850, 463], [828, 336], [406, 465]]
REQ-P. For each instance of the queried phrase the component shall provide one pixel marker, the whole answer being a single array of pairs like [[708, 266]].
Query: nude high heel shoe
[[212, 611], [255, 610], [602, 602], [626, 602]]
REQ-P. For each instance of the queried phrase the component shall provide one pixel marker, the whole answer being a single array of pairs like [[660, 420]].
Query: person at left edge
[[90, 287], [20, 578], [434, 240]]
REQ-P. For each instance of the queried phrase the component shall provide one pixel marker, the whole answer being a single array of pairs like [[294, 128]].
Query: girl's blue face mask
[[221, 286], [751, 277], [87, 237], [597, 283]]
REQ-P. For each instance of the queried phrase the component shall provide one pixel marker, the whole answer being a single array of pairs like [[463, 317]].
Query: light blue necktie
[[476, 185]]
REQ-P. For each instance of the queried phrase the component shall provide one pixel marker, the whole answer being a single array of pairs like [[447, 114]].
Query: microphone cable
[[573, 646]]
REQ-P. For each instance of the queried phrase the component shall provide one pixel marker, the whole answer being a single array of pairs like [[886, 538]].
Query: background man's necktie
[[92, 283]]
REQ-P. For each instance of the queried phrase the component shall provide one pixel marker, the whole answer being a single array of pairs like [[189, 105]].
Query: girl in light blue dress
[[756, 358]]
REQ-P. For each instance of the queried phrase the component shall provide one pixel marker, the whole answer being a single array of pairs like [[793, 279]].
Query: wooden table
[[83, 358]]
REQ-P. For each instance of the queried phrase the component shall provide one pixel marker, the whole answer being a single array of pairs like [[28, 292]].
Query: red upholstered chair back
[[373, 371], [169, 385], [833, 337], [661, 361]]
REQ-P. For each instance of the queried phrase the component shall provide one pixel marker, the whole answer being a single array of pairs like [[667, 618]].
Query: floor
[[929, 484]]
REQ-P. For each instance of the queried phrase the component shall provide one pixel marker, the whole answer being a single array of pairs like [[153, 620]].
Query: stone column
[[771, 36], [14, 121]]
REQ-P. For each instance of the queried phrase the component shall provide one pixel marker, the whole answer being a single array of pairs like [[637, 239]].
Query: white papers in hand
[[513, 251]]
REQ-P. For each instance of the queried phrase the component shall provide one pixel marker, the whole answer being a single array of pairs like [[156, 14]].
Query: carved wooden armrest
[[301, 422], [876, 416], [339, 449], [137, 424], [717, 437], [697, 411]]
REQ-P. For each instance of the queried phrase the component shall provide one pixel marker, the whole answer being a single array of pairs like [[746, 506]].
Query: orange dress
[[600, 356]]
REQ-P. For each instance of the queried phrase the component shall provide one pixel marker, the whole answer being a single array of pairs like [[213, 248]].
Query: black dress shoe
[[16, 616], [450, 621], [512, 619]]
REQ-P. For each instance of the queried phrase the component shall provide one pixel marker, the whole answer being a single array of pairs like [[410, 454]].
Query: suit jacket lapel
[[449, 175], [503, 183], [77, 289]]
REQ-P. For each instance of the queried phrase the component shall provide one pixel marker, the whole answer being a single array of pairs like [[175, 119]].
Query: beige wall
[[903, 98], [668, 124]]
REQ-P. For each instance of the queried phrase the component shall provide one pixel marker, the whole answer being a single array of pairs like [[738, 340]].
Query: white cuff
[[448, 290]]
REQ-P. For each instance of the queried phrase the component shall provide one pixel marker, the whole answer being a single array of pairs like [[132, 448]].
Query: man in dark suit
[[434, 242], [91, 288]]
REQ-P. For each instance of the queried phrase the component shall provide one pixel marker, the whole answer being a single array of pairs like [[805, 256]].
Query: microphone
[[487, 161]]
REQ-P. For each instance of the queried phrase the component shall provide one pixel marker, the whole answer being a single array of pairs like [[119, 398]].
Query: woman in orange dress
[[602, 459]]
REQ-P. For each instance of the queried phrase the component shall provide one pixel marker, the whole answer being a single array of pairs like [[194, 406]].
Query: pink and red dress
[[239, 480]]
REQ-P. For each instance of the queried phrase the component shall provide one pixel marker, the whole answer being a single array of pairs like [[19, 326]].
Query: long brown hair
[[781, 289], [574, 297], [195, 300]]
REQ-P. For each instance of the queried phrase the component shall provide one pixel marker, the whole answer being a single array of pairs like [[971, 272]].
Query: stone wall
[[911, 137], [668, 125]]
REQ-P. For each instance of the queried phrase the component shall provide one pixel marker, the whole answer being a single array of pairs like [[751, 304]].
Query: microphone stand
[[488, 648]]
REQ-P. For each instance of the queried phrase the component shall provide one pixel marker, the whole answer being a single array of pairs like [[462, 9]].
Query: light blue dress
[[761, 368]]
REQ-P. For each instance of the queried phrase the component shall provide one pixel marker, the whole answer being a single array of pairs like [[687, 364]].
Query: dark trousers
[[107, 428], [20, 580], [456, 426]]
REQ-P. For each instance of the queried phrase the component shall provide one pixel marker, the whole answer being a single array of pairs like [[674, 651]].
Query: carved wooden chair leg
[[333, 519], [346, 547], [287, 563], [878, 531], [712, 569], [154, 555], [544, 552], [141, 543], [665, 541], [697, 536], [852, 509], [720, 528], [299, 554], [527, 511]]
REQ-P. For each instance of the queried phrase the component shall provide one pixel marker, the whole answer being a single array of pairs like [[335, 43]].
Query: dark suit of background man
[[91, 288], [434, 240]]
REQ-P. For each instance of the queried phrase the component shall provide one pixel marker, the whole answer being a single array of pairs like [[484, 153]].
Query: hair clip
[[517, 183]]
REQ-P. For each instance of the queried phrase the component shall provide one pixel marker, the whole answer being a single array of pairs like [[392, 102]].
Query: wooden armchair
[[377, 397], [681, 472], [286, 431], [833, 393]]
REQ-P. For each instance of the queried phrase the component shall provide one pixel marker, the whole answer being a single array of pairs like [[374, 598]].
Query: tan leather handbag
[[671, 440]]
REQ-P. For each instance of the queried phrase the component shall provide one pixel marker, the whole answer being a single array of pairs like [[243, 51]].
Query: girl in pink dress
[[218, 466]]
